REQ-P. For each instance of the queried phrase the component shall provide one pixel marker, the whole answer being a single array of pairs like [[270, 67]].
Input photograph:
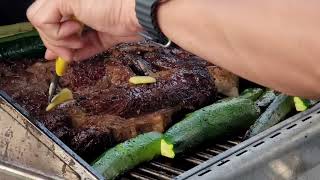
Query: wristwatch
[[146, 11]]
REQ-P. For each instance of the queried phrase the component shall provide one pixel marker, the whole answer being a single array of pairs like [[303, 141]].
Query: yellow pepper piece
[[167, 149], [299, 104], [61, 66], [142, 80], [63, 96]]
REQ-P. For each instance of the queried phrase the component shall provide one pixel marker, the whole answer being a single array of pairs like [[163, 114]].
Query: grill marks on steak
[[183, 81], [107, 109], [186, 88]]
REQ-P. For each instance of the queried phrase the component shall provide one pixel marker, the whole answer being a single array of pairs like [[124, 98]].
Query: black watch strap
[[146, 13]]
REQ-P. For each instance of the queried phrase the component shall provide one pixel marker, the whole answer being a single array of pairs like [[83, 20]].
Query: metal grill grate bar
[[240, 138], [139, 176], [155, 173], [223, 146], [193, 160], [233, 142], [204, 155], [164, 167], [214, 150]]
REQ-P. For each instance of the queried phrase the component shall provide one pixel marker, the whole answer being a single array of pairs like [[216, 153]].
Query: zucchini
[[22, 45], [9, 30], [209, 124], [252, 93], [128, 154], [266, 99], [277, 111]]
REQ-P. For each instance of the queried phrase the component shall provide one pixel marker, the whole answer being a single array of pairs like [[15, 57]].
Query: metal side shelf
[[289, 150]]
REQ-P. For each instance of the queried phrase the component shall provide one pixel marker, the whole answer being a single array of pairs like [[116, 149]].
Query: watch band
[[146, 13]]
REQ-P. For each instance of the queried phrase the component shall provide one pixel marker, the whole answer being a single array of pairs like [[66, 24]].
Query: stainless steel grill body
[[289, 150], [29, 150]]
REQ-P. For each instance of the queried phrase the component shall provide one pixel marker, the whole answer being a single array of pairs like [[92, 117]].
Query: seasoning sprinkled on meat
[[107, 109]]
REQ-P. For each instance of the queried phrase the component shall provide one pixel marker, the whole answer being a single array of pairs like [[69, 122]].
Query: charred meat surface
[[59, 123], [188, 88], [226, 82], [107, 109], [90, 142]]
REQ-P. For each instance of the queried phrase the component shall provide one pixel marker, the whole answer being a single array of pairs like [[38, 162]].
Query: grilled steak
[[106, 108], [188, 88]]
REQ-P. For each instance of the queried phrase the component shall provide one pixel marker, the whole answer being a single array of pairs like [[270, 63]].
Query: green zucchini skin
[[212, 122], [252, 93], [266, 99], [277, 110], [22, 45], [12, 29], [128, 154]]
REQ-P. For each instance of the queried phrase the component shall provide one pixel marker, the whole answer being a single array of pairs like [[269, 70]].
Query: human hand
[[112, 21]]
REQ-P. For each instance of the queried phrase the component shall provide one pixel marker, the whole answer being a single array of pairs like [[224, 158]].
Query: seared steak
[[188, 88], [106, 108]]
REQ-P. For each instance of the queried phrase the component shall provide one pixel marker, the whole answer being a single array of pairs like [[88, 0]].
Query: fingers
[[92, 46], [72, 42], [53, 20], [98, 42], [50, 55], [65, 30], [60, 37], [32, 11], [63, 48], [64, 53], [48, 15], [68, 28]]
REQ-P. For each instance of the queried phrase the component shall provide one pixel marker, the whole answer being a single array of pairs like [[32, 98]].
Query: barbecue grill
[[289, 150]]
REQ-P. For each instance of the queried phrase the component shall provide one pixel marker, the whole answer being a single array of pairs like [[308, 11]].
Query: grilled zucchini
[[22, 45], [209, 124], [127, 155]]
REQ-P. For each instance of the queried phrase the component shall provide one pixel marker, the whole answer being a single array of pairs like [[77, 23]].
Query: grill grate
[[164, 168]]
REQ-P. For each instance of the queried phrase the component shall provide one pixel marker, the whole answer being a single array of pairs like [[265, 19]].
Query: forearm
[[274, 43]]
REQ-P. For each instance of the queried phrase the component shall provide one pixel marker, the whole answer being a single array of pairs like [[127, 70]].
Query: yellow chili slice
[[167, 149], [142, 80], [63, 96]]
